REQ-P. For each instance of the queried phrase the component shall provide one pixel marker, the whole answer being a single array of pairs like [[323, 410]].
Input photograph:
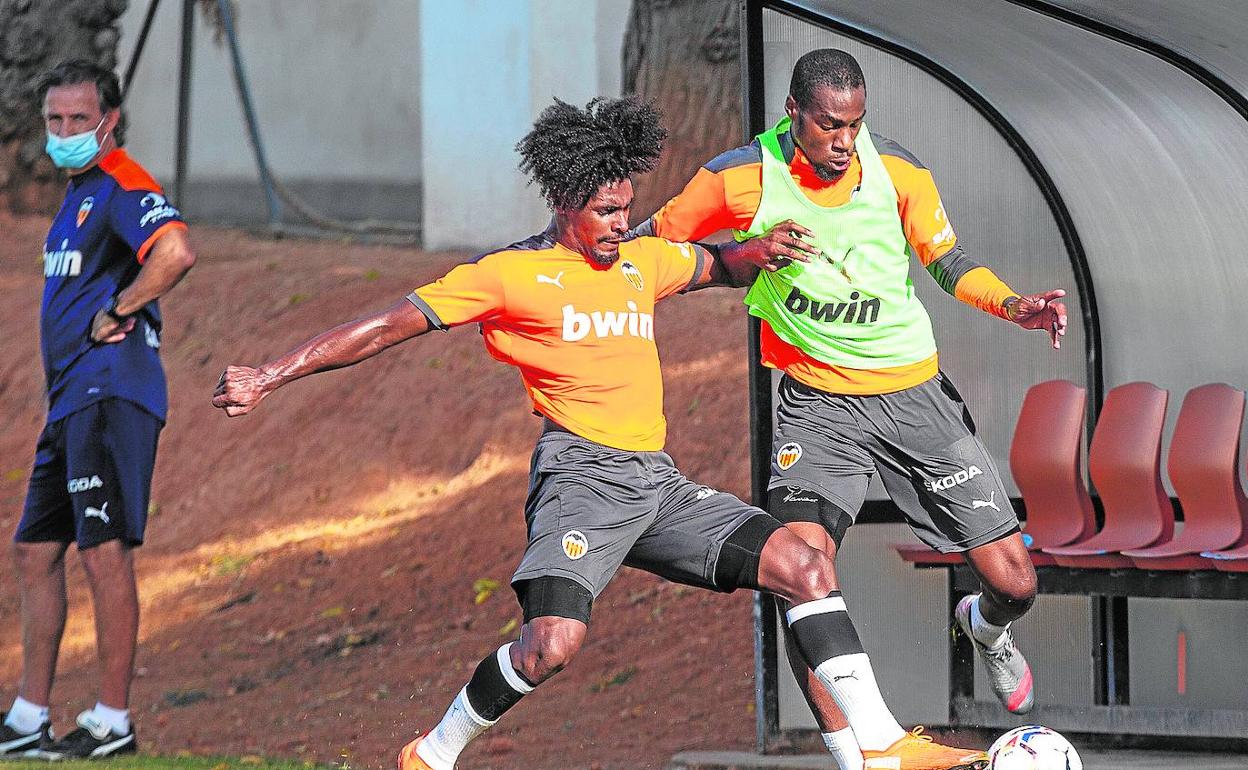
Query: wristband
[[110, 310], [1008, 304]]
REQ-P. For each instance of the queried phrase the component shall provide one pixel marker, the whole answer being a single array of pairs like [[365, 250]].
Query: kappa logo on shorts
[[788, 455], [575, 545], [953, 479], [83, 484], [633, 275], [706, 492]]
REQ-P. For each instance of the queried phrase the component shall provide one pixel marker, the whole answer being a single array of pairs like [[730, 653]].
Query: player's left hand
[[106, 329], [1042, 311]]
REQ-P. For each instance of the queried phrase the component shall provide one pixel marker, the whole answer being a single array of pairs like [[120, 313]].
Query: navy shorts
[[93, 477]]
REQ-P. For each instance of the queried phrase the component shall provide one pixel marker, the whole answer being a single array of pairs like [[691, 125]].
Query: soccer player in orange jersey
[[839, 209], [572, 308]]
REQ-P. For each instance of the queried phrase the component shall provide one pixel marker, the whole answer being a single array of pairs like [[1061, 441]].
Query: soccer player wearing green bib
[[837, 210]]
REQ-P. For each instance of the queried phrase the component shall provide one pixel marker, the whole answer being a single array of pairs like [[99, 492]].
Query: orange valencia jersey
[[725, 194], [581, 333]]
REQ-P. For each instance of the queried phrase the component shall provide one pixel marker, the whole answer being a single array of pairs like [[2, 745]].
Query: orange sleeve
[[923, 218], [723, 195], [676, 265], [141, 254], [982, 288], [470, 292]]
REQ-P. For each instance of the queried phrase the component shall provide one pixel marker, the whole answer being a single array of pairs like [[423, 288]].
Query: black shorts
[[93, 477]]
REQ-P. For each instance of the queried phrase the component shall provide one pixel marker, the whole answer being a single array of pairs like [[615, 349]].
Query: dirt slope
[[308, 581]]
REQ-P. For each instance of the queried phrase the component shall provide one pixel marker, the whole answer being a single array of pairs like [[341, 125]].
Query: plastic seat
[[1046, 456], [918, 553], [1125, 464], [1204, 469]]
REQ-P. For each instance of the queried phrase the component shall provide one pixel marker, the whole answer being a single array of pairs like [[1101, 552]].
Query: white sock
[[460, 724], [851, 681], [118, 720], [26, 717], [988, 634], [843, 747]]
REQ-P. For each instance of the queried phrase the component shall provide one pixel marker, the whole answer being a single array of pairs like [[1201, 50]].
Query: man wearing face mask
[[114, 247]]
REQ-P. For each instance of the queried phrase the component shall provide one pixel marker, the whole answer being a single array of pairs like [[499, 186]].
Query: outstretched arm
[[241, 388]]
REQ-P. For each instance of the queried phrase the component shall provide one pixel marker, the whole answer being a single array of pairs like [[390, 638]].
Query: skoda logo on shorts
[[788, 455], [632, 275], [575, 545]]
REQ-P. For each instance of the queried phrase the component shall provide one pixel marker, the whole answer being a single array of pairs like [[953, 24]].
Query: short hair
[[572, 152], [824, 67], [75, 71]]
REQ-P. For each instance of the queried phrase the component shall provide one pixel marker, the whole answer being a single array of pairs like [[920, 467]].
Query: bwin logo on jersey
[[83, 484], [160, 209], [953, 479], [632, 275], [62, 263], [608, 323], [867, 311]]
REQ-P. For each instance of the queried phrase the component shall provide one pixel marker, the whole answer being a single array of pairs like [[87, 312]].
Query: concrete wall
[[361, 101], [490, 66]]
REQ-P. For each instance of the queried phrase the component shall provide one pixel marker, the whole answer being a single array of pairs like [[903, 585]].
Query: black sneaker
[[91, 740], [13, 743]]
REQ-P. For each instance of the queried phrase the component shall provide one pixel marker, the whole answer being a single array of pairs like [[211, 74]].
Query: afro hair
[[572, 152]]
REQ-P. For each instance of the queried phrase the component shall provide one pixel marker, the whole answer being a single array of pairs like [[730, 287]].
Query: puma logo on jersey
[[607, 323], [991, 502], [62, 263], [556, 281], [954, 479], [852, 312]]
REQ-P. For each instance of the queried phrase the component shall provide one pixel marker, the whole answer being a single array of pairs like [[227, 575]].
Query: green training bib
[[854, 306]]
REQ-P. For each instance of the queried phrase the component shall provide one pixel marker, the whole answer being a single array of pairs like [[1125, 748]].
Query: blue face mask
[[74, 151]]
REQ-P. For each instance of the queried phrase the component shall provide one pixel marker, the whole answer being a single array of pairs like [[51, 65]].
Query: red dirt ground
[[308, 580]]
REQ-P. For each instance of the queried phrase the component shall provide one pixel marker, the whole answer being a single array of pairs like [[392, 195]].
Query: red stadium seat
[[917, 553], [1204, 468], [1045, 458], [1125, 465]]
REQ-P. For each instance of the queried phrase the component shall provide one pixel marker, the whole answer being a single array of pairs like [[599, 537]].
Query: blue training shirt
[[111, 217]]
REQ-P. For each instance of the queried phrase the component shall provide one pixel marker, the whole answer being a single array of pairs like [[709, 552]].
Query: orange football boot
[[916, 751], [409, 759]]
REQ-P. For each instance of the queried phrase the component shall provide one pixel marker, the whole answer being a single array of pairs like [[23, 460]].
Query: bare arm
[[168, 261], [241, 388]]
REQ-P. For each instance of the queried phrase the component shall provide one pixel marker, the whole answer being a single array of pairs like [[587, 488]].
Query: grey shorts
[[922, 443], [592, 508]]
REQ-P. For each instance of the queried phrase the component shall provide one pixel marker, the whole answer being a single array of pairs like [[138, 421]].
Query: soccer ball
[[1033, 748]]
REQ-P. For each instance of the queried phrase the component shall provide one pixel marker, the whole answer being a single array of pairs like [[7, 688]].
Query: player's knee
[[546, 647], [37, 560], [812, 575]]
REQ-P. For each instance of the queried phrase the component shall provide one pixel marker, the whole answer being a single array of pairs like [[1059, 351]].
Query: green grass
[[162, 763]]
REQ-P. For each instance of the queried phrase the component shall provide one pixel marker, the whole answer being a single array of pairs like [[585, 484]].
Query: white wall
[[489, 68], [371, 104], [334, 82]]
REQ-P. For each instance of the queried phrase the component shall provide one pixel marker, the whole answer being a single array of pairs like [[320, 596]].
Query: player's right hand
[[781, 246], [240, 390]]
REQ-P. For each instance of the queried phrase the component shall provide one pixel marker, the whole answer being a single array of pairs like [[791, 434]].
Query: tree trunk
[[684, 55], [36, 35]]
